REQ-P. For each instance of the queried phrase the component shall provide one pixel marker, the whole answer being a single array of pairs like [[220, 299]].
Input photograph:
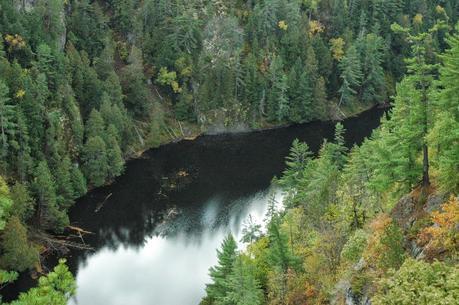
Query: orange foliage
[[443, 235], [376, 250]]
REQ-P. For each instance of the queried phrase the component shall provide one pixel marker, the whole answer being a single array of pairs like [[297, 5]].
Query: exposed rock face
[[26, 5], [404, 210], [352, 299], [434, 201]]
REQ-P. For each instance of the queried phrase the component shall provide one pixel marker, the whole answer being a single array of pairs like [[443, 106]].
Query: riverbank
[[177, 131]]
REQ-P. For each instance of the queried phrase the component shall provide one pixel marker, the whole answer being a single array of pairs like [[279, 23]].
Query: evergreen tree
[[115, 159], [296, 162], [278, 104], [18, 253], [55, 288], [20, 153], [49, 215], [416, 96], [445, 133], [95, 163], [280, 253], [300, 94], [351, 75], [220, 274], [7, 113], [23, 203], [243, 287], [95, 125], [371, 48], [5, 203], [64, 187], [78, 182]]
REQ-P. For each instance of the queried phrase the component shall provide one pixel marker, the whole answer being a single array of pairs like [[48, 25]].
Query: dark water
[[158, 228]]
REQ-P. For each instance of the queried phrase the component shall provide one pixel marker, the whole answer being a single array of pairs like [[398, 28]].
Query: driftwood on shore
[[62, 244]]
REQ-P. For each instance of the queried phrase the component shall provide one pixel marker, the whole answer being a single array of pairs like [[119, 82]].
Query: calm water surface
[[158, 226]]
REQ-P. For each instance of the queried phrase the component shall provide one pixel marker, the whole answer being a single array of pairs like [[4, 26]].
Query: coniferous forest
[[86, 85]]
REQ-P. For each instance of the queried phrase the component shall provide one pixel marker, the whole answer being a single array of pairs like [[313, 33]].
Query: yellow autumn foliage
[[283, 25], [443, 235], [315, 27]]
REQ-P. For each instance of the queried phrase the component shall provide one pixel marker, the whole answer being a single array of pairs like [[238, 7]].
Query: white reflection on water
[[167, 270]]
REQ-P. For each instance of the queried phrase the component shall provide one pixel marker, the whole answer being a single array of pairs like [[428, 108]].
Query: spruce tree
[[78, 182], [49, 215], [7, 123], [220, 274], [23, 203], [243, 287], [371, 49], [18, 254], [95, 162], [444, 136], [95, 125], [115, 159], [278, 104], [64, 186], [351, 75], [300, 93]]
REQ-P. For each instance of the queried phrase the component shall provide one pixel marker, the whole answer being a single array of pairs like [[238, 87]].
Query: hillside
[[85, 85]]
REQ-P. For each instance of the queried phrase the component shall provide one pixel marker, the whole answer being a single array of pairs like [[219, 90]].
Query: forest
[[86, 85]]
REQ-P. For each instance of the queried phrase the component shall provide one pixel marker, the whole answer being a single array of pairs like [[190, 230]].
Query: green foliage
[[353, 249], [243, 287], [44, 186], [56, 288], [23, 203], [351, 75], [5, 203], [18, 254], [7, 277], [220, 274], [392, 243], [420, 283], [280, 254], [296, 162], [95, 161]]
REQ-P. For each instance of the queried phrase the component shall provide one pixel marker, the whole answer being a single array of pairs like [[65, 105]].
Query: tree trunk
[[425, 166]]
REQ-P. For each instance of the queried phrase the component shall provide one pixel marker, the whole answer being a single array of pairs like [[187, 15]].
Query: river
[[157, 228]]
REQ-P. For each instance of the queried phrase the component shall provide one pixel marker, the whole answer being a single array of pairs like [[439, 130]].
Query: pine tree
[[445, 133], [23, 203], [220, 274], [64, 186], [300, 94], [78, 182], [55, 288], [351, 75], [114, 156], [278, 104], [296, 162], [18, 253], [21, 152], [74, 116], [5, 203], [49, 215], [371, 49], [416, 96], [243, 287], [95, 163], [7, 114], [280, 253], [95, 125]]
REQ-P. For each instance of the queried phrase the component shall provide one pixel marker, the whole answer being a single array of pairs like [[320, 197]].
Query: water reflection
[[172, 266], [157, 228]]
